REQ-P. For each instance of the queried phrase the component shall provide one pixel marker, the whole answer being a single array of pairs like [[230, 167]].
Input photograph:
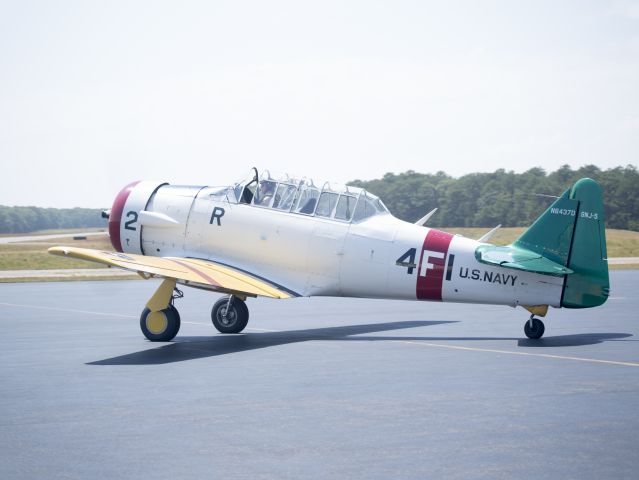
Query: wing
[[199, 272]]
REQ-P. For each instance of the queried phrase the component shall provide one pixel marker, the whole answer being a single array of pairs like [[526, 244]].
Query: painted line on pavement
[[71, 310], [526, 354]]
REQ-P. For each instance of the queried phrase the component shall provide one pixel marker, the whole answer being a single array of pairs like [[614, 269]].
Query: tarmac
[[315, 388], [53, 236], [65, 274]]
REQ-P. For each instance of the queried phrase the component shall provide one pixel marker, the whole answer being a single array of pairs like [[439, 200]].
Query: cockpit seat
[[309, 206]]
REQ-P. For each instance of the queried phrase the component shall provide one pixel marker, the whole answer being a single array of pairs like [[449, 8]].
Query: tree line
[[474, 200], [32, 219], [502, 197]]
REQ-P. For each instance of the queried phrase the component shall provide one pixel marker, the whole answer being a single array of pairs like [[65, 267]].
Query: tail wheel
[[230, 315], [160, 326], [534, 328]]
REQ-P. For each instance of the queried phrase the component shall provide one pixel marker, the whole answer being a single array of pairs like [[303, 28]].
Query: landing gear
[[230, 314], [160, 320], [160, 326], [534, 328]]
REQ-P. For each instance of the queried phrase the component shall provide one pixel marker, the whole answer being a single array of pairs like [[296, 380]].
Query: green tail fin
[[572, 233]]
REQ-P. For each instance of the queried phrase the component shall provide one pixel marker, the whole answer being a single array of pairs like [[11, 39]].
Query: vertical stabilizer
[[571, 233], [552, 233]]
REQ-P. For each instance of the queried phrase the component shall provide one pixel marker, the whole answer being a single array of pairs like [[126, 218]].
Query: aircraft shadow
[[576, 340], [192, 348]]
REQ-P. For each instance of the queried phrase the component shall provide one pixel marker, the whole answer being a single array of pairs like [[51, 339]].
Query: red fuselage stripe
[[432, 262]]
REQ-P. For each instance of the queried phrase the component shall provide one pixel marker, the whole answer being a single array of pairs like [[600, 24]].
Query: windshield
[[302, 196], [245, 189]]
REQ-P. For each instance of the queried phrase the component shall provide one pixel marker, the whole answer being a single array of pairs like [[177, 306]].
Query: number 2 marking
[[134, 218]]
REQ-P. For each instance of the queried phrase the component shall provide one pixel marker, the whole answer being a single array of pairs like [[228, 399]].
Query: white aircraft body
[[283, 237]]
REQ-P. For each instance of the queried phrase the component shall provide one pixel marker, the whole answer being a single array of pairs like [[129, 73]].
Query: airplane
[[282, 237]]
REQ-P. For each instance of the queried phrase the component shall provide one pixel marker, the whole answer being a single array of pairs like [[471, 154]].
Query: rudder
[[589, 286]]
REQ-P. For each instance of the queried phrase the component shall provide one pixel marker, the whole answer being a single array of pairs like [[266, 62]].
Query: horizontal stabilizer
[[519, 259]]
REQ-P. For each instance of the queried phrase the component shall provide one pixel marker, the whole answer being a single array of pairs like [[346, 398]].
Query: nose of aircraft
[[115, 215]]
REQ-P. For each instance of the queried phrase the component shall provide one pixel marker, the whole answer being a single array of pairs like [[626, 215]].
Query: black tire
[[536, 331], [162, 328], [235, 320]]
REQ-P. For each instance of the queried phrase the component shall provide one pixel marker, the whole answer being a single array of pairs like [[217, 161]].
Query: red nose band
[[116, 215]]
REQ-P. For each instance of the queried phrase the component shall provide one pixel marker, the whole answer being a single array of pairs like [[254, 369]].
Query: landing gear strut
[[534, 328], [230, 314]]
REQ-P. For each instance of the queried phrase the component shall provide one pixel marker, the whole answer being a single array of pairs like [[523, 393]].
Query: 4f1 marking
[[426, 261], [408, 261]]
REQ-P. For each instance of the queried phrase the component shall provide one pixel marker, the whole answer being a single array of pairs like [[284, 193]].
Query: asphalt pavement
[[315, 388]]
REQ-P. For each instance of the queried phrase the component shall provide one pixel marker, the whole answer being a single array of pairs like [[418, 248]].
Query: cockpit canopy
[[305, 197]]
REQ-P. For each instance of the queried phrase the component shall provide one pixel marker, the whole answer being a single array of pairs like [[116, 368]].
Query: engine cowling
[[124, 226]]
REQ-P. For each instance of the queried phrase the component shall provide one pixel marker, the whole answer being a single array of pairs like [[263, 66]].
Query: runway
[[315, 388], [53, 236]]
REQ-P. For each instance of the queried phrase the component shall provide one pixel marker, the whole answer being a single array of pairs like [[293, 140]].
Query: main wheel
[[160, 326], [233, 321], [537, 329]]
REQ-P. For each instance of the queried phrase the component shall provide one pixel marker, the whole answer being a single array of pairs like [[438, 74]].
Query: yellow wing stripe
[[217, 276]]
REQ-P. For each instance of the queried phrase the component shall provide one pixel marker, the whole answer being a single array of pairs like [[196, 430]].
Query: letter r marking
[[218, 213]]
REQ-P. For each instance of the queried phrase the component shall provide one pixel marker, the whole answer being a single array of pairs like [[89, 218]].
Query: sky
[[96, 94]]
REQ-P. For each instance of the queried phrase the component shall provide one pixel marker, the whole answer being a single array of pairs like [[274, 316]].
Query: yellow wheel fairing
[[160, 325], [156, 322], [539, 310]]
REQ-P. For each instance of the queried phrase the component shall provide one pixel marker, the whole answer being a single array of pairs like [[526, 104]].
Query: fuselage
[[378, 256]]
